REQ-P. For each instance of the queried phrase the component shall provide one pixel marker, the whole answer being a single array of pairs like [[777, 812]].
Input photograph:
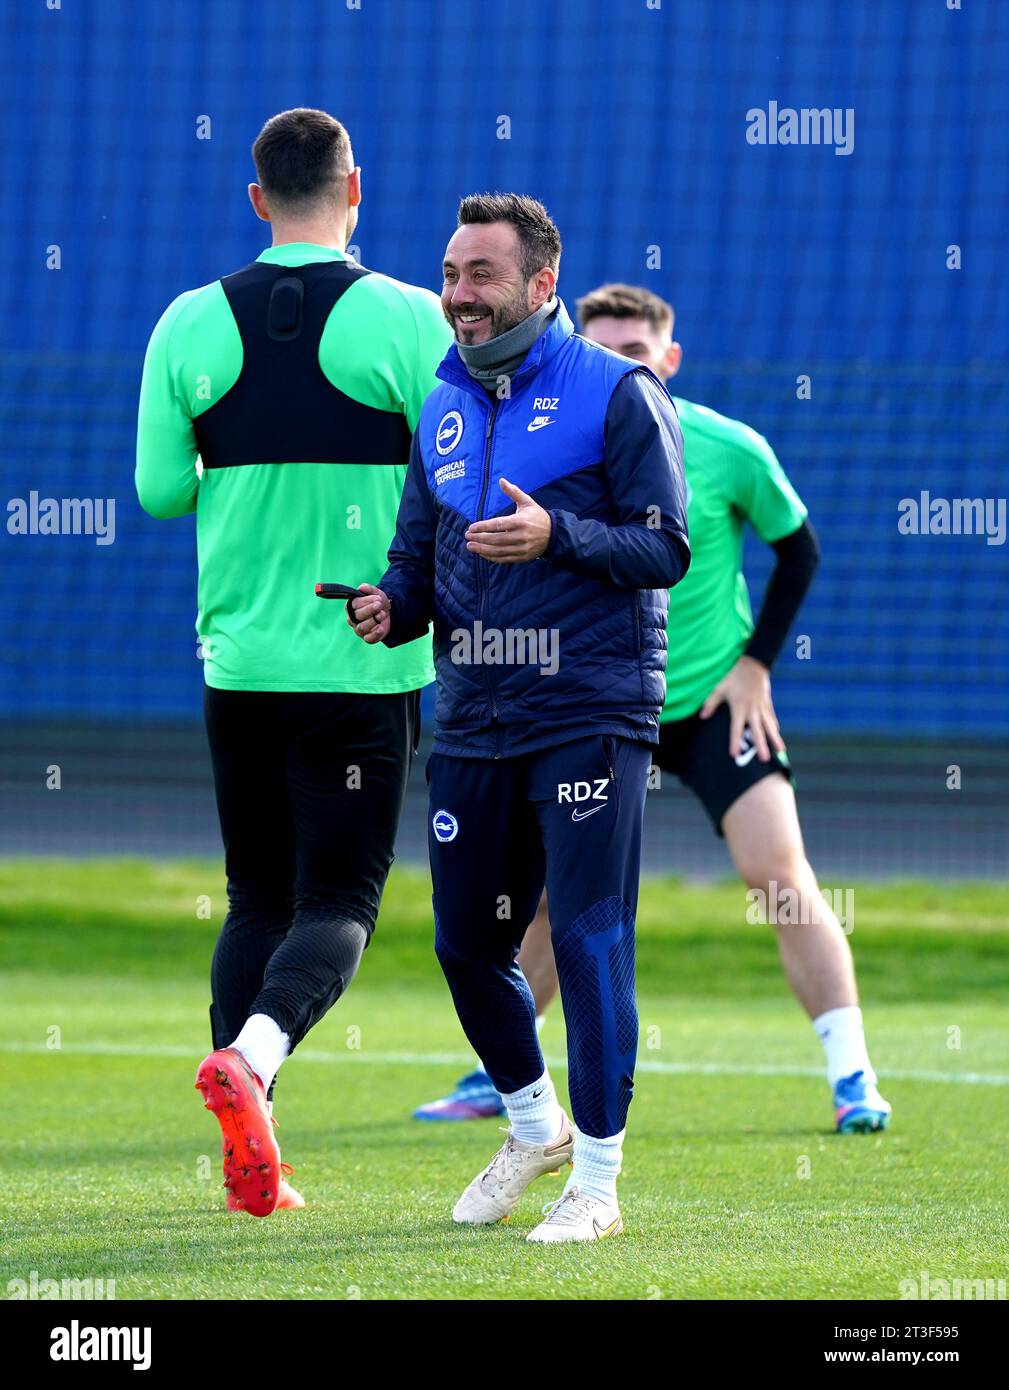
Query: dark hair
[[625, 302], [539, 239], [300, 154]]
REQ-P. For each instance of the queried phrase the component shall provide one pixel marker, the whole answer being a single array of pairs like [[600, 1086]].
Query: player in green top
[[718, 730], [271, 524], [295, 384]]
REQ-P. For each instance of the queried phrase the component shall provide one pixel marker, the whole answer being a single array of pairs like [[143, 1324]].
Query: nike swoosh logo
[[603, 1231], [580, 815], [746, 757], [538, 425]]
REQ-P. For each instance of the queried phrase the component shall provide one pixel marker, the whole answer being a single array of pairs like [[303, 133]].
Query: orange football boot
[[290, 1199], [252, 1167]]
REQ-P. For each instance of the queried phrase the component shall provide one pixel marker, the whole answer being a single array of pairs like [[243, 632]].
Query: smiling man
[[544, 497], [719, 734]]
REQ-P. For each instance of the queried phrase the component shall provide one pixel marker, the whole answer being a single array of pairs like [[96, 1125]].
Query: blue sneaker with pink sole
[[858, 1106], [473, 1098]]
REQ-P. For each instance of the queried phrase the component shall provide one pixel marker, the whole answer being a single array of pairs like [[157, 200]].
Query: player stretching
[[718, 733], [541, 526], [298, 381]]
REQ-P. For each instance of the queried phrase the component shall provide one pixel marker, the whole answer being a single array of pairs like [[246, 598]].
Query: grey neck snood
[[501, 356]]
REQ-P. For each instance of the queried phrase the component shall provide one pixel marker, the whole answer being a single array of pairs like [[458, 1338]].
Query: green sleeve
[[382, 343], [761, 490], [434, 338], [166, 478]]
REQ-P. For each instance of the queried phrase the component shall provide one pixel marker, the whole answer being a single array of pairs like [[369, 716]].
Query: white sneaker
[[577, 1216], [494, 1194]]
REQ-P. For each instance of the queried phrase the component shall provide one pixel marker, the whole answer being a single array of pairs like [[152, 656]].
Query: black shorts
[[697, 751], [309, 789]]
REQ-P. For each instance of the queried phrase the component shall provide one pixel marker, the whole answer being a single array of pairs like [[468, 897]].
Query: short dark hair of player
[[626, 302], [300, 155], [539, 239]]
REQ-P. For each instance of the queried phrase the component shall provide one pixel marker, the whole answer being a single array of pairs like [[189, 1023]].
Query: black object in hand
[[344, 591]]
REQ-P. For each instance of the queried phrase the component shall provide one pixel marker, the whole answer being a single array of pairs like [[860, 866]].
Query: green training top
[[267, 532], [732, 477]]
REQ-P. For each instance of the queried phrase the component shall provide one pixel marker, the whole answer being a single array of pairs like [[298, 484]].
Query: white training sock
[[534, 1113], [597, 1163], [843, 1038], [264, 1046]]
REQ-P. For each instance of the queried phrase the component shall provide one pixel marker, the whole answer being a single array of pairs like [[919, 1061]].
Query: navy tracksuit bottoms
[[568, 816]]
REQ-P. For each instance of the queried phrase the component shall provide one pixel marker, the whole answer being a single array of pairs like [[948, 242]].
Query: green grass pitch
[[734, 1183]]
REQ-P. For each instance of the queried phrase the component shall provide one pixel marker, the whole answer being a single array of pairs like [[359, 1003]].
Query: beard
[[502, 318], [506, 316]]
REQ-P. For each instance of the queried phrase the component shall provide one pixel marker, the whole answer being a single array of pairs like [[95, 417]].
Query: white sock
[[540, 1020], [535, 1116], [597, 1163], [263, 1045], [843, 1038]]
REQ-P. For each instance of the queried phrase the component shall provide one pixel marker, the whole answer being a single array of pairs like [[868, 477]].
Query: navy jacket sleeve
[[647, 547], [409, 580]]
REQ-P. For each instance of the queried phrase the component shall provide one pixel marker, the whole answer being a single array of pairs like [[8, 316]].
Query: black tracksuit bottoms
[[309, 787]]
